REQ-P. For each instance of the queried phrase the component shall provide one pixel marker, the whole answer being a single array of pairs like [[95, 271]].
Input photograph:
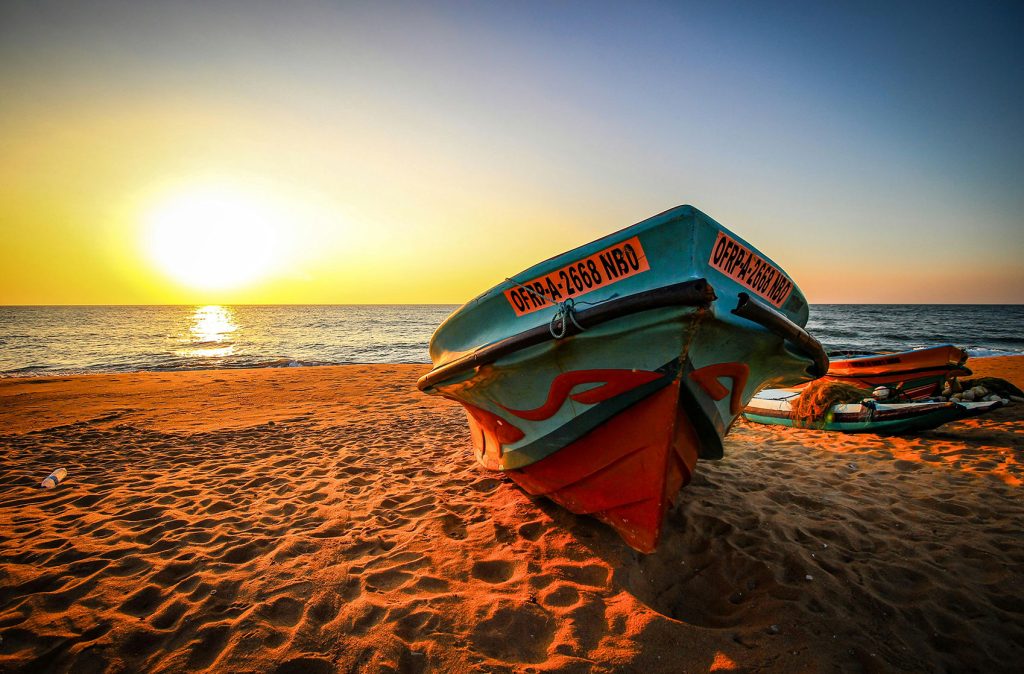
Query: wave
[[205, 364], [82, 340], [986, 352], [220, 344]]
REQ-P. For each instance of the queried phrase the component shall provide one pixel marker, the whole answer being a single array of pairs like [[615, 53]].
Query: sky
[[380, 152]]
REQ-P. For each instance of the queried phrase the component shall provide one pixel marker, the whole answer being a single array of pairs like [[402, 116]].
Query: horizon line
[[442, 304]]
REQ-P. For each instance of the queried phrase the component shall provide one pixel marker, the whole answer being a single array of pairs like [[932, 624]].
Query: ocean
[[49, 340]]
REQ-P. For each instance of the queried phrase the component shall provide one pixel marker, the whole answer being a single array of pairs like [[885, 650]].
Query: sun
[[216, 236]]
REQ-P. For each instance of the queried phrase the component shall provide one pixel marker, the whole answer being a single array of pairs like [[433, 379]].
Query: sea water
[[73, 339]]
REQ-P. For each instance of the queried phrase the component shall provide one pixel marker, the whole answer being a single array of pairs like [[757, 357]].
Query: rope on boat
[[566, 310]]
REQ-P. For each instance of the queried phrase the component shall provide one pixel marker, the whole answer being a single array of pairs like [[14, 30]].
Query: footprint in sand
[[531, 531], [561, 595], [515, 632], [493, 571], [325, 610], [432, 584], [409, 628], [485, 484], [143, 602], [283, 612], [139, 644], [173, 572], [387, 580], [208, 646], [246, 552], [452, 527], [305, 666], [593, 575], [58, 602], [368, 615], [144, 514], [169, 616]]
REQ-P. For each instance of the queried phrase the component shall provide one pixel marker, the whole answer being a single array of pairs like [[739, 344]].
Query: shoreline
[[332, 518], [77, 373], [298, 364]]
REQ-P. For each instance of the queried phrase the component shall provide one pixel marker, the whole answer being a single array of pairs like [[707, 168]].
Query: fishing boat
[[910, 375], [598, 377], [774, 406]]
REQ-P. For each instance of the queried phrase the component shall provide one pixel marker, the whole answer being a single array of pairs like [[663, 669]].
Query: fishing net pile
[[817, 399], [995, 385]]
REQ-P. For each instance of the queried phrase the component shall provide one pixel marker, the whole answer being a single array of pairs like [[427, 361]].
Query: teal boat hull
[[630, 356], [772, 407]]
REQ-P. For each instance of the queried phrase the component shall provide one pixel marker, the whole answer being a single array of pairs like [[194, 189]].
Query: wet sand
[[332, 519]]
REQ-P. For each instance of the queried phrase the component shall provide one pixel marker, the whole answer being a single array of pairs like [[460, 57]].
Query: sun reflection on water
[[210, 333]]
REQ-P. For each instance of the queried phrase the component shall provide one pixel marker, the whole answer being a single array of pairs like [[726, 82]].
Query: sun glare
[[216, 237], [210, 333]]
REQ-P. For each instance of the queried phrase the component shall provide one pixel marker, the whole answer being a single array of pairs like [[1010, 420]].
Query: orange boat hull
[[916, 374], [625, 472]]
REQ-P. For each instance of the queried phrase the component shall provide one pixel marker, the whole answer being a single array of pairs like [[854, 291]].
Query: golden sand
[[332, 519]]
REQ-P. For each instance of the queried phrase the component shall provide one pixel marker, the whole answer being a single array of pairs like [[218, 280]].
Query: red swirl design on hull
[[614, 382], [708, 376]]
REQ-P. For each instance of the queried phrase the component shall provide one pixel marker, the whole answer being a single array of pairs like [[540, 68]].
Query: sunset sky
[[329, 152]]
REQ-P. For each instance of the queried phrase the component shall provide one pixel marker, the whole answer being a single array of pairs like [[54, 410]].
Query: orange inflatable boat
[[911, 375]]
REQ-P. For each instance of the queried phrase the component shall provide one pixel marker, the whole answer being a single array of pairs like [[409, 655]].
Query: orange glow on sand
[[722, 663]]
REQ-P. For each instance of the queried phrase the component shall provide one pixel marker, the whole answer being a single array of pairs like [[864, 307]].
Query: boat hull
[[624, 472], [606, 409], [915, 375], [773, 407]]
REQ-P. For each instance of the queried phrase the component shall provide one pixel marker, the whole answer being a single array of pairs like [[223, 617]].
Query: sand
[[332, 519]]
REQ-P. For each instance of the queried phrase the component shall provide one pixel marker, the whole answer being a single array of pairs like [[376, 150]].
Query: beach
[[332, 519]]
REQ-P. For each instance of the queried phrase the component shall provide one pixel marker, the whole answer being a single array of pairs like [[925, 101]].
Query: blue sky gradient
[[874, 149]]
